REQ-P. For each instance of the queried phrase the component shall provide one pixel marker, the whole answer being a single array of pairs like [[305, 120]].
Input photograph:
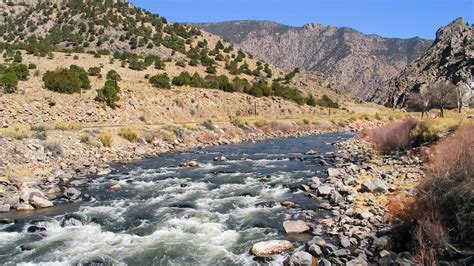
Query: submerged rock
[[189, 164], [268, 248], [288, 204], [71, 220], [34, 229], [301, 258], [295, 227]]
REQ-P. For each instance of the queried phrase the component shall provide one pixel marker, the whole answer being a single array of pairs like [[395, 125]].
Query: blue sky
[[389, 18]]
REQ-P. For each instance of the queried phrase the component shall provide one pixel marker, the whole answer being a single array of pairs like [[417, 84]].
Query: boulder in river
[[295, 227], [4, 208], [220, 159], [72, 193], [311, 152], [324, 190], [115, 187], [24, 207], [40, 202], [268, 248], [287, 203], [301, 258], [189, 164]]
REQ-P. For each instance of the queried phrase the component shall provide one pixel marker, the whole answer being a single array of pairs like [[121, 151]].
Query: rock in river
[[5, 208], [268, 248], [40, 202], [301, 258], [295, 227]]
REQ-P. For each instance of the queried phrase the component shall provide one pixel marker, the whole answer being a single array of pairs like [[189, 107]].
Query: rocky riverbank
[[358, 192], [51, 167]]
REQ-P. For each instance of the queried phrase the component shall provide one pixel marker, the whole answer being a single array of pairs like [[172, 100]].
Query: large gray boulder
[[301, 258]]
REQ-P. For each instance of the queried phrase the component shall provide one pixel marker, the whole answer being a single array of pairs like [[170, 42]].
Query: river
[[169, 215]]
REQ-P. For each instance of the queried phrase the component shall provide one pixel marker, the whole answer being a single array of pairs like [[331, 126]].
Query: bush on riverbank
[[392, 136], [443, 204]]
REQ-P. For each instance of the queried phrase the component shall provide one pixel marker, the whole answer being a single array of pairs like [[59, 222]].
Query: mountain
[[139, 40], [451, 57], [359, 62]]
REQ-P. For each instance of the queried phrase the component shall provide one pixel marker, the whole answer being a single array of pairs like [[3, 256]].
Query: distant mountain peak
[[359, 62], [449, 58]]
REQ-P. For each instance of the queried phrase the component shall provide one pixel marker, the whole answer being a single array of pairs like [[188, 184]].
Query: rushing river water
[[166, 215]]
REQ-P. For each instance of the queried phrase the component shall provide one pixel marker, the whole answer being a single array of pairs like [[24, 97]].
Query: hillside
[[139, 39], [451, 57], [361, 63]]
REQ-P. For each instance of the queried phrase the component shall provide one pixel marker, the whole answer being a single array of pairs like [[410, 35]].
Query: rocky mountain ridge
[[451, 58], [361, 63]]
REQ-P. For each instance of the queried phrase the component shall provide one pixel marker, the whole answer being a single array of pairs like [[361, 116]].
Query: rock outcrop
[[451, 57], [359, 62]]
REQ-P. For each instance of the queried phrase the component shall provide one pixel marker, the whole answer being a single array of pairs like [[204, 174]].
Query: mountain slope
[[359, 62], [451, 57], [112, 26]]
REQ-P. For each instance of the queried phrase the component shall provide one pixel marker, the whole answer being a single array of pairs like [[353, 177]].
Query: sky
[[388, 18]]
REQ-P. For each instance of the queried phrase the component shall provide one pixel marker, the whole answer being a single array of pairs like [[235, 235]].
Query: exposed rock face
[[451, 57], [359, 62]]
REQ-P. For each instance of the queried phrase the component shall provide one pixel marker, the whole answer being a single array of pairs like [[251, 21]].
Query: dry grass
[[206, 137], [168, 135], [129, 134], [106, 138], [17, 132], [66, 126], [283, 126], [444, 203], [393, 136]]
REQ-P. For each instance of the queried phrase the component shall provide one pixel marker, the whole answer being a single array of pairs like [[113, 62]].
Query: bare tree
[[442, 95], [419, 102]]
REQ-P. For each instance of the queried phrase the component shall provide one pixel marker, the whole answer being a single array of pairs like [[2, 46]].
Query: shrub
[[444, 199], [325, 101], [31, 66], [109, 94], [9, 81], [62, 80], [21, 71], [113, 75], [94, 71], [83, 77], [311, 101], [392, 136], [55, 148], [208, 125], [182, 80], [106, 139], [128, 133], [260, 123], [160, 81]]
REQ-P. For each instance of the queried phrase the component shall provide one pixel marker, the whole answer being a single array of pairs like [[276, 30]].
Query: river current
[[169, 215]]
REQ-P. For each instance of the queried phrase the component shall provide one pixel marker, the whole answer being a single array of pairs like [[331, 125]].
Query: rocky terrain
[[451, 57], [358, 192], [360, 63]]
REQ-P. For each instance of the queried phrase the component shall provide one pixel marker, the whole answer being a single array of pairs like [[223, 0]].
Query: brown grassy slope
[[140, 102]]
